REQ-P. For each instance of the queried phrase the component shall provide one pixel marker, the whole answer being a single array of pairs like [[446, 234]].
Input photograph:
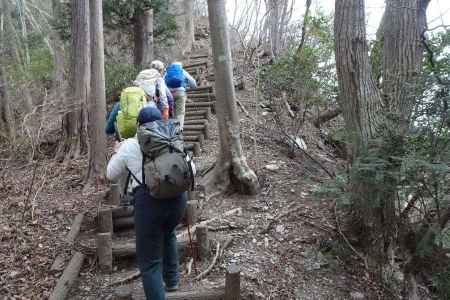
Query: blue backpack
[[174, 76]]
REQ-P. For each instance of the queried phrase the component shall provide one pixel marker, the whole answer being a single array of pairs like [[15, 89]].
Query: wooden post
[[233, 283], [104, 251], [114, 194], [105, 221], [191, 212], [203, 241], [68, 278]]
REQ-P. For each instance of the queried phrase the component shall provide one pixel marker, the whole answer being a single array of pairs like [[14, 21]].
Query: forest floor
[[298, 257]]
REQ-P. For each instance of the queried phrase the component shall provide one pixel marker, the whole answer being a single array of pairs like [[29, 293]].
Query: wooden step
[[128, 293]]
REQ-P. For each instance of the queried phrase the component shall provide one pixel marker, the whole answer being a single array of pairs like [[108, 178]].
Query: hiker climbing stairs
[[114, 244]]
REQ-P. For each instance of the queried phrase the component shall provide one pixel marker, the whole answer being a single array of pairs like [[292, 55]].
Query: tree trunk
[[405, 22], [6, 117], [143, 39], [74, 122], [58, 50], [97, 99], [360, 101], [189, 27], [377, 128], [231, 167]]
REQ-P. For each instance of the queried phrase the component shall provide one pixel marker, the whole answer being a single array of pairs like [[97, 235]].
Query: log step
[[128, 293], [196, 122], [128, 249]]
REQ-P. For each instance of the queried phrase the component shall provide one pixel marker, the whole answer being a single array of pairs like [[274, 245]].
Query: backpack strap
[[134, 177], [125, 190]]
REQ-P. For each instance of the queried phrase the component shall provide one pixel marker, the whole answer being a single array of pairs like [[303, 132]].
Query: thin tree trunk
[[231, 168], [6, 117], [97, 99], [58, 50], [75, 120], [143, 39]]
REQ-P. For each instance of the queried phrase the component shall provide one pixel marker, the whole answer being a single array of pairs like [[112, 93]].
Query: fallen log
[[68, 278], [74, 229]]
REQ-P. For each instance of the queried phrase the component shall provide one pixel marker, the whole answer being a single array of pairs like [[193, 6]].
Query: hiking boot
[[172, 288]]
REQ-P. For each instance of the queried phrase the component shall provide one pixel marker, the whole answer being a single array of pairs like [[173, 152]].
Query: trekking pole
[[192, 249]]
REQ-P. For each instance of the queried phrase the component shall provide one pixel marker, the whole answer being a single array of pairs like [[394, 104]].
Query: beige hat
[[158, 65]]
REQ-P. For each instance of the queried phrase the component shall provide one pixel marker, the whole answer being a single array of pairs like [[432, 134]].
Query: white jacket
[[128, 157]]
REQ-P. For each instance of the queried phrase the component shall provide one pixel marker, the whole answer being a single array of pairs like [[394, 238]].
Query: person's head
[[177, 63], [148, 114], [158, 65]]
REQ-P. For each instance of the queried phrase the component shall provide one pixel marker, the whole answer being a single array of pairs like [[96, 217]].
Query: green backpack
[[132, 100]]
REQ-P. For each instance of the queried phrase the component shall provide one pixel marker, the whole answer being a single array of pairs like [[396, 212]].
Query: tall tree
[[74, 123], [97, 100], [143, 38], [231, 168], [6, 116], [377, 124]]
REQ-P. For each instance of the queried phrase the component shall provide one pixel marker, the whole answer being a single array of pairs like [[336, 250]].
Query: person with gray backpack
[[161, 174]]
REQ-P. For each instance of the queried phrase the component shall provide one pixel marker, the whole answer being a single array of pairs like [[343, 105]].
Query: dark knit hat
[[149, 114]]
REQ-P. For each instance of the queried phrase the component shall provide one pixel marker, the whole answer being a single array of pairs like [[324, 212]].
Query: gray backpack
[[166, 168]]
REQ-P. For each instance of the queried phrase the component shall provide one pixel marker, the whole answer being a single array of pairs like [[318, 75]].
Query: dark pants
[[156, 242]]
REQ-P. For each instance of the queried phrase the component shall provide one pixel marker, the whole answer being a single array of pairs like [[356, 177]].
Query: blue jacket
[[111, 121]]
